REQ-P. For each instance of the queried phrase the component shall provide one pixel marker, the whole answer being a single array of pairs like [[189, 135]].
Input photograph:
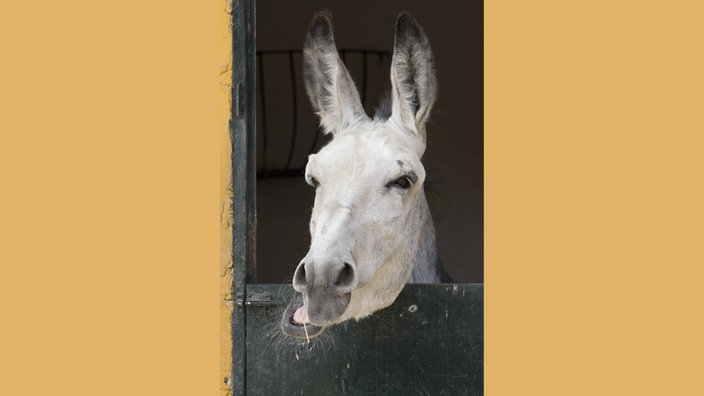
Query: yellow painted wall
[[113, 121], [226, 219]]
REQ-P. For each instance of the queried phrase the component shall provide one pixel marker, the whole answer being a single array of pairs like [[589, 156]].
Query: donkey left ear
[[413, 82], [328, 83]]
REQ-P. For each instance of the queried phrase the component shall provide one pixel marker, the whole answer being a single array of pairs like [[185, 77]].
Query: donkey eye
[[402, 182]]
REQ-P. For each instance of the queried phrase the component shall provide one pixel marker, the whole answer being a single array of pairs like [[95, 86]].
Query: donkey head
[[369, 196]]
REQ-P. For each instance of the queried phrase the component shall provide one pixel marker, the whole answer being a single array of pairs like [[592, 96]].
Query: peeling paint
[[226, 217]]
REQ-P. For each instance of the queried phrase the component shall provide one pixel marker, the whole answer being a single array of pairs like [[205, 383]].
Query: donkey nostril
[[347, 277], [299, 277]]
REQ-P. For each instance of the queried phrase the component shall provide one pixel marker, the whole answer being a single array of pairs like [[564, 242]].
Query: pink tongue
[[301, 316]]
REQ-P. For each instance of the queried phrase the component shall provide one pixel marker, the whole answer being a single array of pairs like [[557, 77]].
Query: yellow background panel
[[594, 220], [112, 114]]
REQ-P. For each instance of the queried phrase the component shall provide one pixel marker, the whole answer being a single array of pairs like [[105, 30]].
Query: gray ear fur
[[413, 82], [328, 83]]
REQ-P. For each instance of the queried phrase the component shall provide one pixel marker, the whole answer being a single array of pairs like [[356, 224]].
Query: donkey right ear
[[413, 83], [328, 83]]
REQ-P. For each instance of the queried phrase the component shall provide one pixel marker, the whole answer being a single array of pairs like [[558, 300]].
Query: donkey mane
[[382, 111]]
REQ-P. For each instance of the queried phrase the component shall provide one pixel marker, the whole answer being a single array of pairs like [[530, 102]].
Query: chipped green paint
[[243, 130]]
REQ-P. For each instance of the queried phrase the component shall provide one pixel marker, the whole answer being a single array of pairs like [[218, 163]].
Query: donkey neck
[[426, 266]]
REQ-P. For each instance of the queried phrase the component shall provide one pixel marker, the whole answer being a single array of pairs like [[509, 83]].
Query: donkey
[[371, 230]]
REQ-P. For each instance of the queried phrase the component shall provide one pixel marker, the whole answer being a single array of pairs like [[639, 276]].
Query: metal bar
[[277, 173], [295, 110], [262, 110], [243, 130], [291, 168]]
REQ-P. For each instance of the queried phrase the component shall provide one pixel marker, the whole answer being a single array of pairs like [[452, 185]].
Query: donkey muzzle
[[326, 288]]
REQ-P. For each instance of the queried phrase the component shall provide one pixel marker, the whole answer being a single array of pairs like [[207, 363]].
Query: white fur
[[360, 216], [384, 231]]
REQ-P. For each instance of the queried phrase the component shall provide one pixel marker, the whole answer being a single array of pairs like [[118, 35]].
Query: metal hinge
[[259, 299]]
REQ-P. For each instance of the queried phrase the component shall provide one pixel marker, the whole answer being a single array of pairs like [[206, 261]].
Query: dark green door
[[429, 342]]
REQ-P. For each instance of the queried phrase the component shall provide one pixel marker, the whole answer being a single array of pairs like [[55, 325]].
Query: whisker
[[305, 329]]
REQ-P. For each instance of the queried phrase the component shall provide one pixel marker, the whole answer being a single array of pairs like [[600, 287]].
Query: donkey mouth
[[295, 321]]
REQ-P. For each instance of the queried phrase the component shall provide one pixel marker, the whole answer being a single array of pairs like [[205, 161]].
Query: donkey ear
[[413, 82], [328, 83]]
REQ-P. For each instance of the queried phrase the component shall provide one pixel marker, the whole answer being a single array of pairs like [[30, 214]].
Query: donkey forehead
[[376, 148]]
